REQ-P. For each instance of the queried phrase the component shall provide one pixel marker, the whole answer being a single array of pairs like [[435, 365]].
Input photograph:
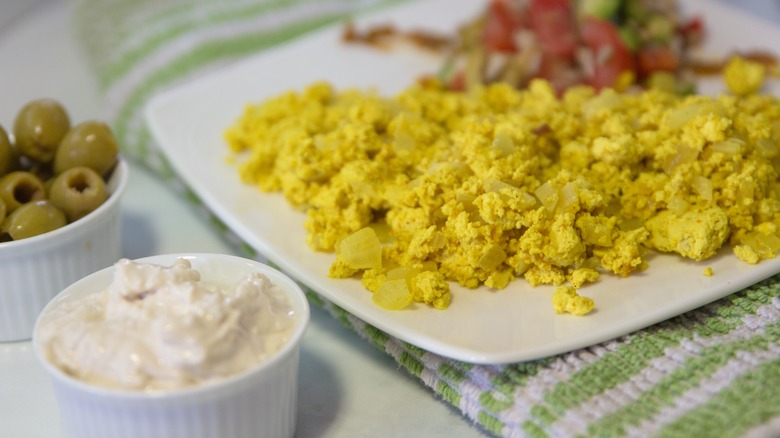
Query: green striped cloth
[[714, 371]]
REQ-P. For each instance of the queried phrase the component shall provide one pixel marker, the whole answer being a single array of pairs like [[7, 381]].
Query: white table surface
[[347, 387]]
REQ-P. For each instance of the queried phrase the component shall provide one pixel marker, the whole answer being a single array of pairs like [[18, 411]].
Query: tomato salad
[[601, 43]]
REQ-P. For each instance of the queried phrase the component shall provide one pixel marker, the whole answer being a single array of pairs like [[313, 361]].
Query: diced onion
[[703, 187], [731, 146], [685, 154], [767, 148], [678, 205], [548, 196], [568, 196]]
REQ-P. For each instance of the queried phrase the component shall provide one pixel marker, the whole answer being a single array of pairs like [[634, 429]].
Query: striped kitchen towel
[[714, 371]]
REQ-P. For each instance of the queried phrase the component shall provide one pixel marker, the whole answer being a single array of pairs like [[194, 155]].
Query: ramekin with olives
[[51, 172], [60, 216]]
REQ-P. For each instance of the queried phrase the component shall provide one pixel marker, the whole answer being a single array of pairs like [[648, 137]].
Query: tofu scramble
[[482, 187]]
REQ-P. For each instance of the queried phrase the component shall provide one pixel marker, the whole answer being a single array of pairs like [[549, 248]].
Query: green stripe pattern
[[714, 371]]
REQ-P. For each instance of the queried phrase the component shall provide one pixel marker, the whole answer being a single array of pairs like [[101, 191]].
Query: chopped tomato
[[553, 23], [693, 30], [458, 81], [560, 71], [611, 55], [501, 24], [658, 58]]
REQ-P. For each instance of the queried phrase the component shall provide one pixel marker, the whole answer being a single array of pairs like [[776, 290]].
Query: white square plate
[[482, 325]]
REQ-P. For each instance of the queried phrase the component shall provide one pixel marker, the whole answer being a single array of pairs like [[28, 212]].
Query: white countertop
[[348, 388]]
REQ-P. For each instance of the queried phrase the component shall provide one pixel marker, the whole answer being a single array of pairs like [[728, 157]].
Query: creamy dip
[[160, 327]]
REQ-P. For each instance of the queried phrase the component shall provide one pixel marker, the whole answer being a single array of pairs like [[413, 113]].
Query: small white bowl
[[259, 402], [34, 270]]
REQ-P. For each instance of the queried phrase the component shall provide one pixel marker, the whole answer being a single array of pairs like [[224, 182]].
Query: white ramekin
[[34, 270], [260, 402]]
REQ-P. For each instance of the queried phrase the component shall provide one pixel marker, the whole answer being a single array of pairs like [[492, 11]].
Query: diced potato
[[491, 258], [393, 295], [402, 273], [361, 250]]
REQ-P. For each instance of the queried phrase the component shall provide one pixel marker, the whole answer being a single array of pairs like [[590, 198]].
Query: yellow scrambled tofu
[[743, 76], [484, 187], [567, 300]]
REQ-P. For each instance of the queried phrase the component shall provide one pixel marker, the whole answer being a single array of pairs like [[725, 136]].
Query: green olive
[[39, 127], [42, 171], [20, 187], [90, 144], [77, 192], [6, 152], [3, 211], [16, 160], [32, 219]]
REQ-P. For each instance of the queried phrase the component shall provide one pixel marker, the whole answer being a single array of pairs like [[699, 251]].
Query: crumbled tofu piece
[[567, 300], [743, 76]]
